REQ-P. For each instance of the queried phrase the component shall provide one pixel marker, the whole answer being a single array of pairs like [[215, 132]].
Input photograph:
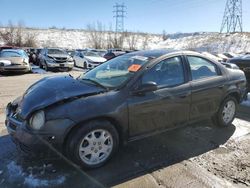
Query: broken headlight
[[37, 120]]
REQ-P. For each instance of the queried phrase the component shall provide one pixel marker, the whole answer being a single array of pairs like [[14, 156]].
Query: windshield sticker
[[141, 58], [134, 68]]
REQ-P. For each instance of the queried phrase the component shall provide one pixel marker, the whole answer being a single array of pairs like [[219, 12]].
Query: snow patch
[[247, 102], [17, 174], [37, 182], [14, 170]]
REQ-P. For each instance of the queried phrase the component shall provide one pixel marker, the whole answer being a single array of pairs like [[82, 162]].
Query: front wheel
[[227, 112], [93, 144]]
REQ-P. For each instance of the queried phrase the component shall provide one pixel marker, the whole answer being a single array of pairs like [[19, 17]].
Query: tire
[[87, 138], [223, 120], [40, 64], [45, 66], [85, 65]]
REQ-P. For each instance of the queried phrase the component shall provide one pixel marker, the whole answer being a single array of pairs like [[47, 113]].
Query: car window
[[168, 72], [56, 51], [201, 68], [11, 54]]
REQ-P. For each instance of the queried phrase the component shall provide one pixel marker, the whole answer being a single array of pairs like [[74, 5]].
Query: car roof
[[163, 52], [12, 50]]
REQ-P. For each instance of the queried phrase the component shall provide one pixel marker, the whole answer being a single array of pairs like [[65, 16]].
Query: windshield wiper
[[94, 82]]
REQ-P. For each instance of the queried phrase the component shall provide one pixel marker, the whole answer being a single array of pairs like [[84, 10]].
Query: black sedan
[[243, 62], [127, 98]]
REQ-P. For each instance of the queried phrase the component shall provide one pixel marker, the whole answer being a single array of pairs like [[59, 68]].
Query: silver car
[[55, 58], [14, 60]]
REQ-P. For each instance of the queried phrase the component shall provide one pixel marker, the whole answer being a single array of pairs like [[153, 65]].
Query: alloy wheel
[[96, 147], [228, 111]]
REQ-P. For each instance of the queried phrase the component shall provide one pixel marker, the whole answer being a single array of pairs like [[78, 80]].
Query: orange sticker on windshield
[[134, 68]]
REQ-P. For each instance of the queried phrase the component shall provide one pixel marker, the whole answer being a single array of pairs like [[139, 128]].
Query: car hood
[[13, 60], [95, 59], [51, 90]]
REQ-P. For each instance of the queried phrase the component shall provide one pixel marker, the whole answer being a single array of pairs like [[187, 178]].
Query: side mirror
[[146, 87], [81, 56]]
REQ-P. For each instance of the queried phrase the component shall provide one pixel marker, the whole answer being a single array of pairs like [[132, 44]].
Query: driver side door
[[165, 108]]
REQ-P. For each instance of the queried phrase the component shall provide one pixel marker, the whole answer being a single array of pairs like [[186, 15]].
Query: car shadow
[[133, 160], [160, 151]]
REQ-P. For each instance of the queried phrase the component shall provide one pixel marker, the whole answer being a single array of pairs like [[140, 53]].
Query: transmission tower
[[119, 15], [232, 19]]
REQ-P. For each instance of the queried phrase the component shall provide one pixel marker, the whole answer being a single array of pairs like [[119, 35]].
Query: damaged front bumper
[[30, 141]]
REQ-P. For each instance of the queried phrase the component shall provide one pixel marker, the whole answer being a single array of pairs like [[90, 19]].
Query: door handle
[[184, 95], [221, 86]]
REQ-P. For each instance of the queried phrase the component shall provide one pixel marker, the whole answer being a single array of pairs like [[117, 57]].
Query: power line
[[232, 19], [119, 15]]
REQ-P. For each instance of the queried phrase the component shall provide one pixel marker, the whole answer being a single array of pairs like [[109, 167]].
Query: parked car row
[[61, 59]]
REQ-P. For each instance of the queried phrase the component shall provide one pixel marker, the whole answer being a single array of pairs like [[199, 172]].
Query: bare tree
[[131, 39], [164, 35], [16, 35], [145, 41], [96, 35]]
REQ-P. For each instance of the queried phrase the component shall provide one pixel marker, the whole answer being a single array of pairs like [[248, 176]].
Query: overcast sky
[[142, 15]]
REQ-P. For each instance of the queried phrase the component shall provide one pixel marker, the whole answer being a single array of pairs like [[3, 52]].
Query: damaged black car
[[127, 98]]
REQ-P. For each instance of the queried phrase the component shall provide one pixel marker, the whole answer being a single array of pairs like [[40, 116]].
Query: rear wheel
[[227, 112], [93, 144], [45, 66]]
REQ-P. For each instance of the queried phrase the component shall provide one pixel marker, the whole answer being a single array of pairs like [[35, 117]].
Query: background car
[[87, 59], [223, 57], [71, 52], [113, 52], [15, 60], [55, 59], [213, 57], [34, 56], [243, 62]]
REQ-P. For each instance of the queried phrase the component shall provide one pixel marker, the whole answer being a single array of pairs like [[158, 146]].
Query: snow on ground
[[247, 102], [18, 174], [199, 41], [210, 42]]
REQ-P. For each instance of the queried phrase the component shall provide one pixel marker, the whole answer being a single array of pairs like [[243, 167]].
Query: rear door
[[165, 108], [207, 83]]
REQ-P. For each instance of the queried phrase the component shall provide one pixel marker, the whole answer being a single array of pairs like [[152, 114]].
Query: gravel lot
[[199, 155]]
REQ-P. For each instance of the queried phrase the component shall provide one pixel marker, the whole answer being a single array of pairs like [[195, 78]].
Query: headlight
[[37, 120], [70, 59]]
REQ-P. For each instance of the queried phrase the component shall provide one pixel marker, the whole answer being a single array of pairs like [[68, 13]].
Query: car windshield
[[117, 71], [56, 51], [13, 54], [93, 54]]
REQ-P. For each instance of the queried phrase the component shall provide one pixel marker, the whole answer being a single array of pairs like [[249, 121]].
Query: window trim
[[218, 71]]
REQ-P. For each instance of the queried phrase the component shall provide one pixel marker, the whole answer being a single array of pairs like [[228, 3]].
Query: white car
[[213, 57], [87, 59]]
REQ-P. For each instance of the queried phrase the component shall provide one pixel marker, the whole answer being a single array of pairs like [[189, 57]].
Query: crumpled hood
[[59, 55], [51, 90]]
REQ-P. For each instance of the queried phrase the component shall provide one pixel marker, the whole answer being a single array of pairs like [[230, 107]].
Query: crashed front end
[[40, 117], [34, 135]]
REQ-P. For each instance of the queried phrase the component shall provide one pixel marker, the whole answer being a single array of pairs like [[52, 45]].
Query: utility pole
[[232, 19], [119, 15]]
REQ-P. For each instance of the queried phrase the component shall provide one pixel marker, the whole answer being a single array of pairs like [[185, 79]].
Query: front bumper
[[35, 142], [69, 65], [15, 68]]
